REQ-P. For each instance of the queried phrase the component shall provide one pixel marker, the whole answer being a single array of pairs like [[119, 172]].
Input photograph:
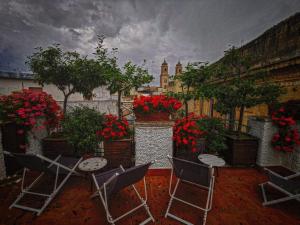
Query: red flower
[[159, 103], [114, 128]]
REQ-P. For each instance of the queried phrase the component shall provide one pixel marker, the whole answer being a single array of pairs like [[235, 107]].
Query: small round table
[[92, 165], [212, 160]]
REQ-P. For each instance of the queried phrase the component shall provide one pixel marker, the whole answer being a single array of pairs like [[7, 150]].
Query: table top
[[211, 160], [203, 156], [92, 164]]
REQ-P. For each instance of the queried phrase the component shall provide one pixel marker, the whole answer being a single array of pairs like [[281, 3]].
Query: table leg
[[217, 171]]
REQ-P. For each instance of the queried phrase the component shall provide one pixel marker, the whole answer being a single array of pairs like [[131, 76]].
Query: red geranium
[[26, 107], [287, 137], [157, 103], [114, 128], [186, 131]]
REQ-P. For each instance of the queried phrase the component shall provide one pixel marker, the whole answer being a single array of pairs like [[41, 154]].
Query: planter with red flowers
[[26, 117], [193, 135], [155, 108], [31, 112], [118, 145], [287, 137]]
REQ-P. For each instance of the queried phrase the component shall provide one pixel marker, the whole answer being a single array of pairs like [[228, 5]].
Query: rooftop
[[16, 75], [237, 201]]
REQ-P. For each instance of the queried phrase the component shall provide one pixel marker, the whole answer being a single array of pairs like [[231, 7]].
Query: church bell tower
[[164, 75]]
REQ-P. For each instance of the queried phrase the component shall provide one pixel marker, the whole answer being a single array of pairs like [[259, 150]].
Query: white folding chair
[[113, 181], [288, 185], [59, 166], [196, 174]]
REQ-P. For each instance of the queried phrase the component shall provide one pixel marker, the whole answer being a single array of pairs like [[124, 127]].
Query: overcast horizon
[[153, 30]]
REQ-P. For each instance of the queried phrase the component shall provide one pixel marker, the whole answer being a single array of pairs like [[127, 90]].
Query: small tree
[[68, 71], [121, 81], [191, 81], [238, 88]]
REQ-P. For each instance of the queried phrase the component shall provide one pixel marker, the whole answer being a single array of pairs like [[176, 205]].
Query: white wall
[[9, 85]]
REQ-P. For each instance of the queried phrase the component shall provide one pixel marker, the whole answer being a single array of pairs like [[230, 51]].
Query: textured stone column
[[264, 130], [266, 155], [35, 137], [292, 160], [153, 140], [2, 164]]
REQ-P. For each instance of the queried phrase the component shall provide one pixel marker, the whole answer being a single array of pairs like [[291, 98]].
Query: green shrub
[[80, 126], [214, 134]]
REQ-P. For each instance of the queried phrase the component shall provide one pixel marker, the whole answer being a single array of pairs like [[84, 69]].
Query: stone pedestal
[[264, 129], [153, 141], [35, 137], [2, 164]]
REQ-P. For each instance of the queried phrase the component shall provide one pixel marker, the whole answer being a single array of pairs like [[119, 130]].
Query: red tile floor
[[237, 201]]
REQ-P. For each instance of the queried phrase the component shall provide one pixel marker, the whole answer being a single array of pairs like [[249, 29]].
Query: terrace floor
[[237, 201]]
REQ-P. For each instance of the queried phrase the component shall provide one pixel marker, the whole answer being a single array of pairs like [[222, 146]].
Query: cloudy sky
[[184, 30]]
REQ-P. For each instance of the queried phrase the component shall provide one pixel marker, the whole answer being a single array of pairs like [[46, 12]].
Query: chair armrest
[[189, 162], [282, 177]]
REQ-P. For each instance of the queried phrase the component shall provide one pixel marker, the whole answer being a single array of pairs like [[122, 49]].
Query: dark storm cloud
[[153, 30]]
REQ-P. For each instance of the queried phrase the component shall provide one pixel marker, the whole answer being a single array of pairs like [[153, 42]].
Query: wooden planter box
[[52, 147], [185, 152], [119, 152], [155, 116], [242, 151], [11, 142]]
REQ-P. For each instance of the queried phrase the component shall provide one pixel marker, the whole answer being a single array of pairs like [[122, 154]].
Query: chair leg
[[144, 202], [171, 199], [279, 200]]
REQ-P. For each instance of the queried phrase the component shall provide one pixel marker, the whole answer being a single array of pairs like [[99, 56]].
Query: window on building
[[165, 69], [166, 80]]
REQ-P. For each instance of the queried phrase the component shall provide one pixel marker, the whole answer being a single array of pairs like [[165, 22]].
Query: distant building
[[277, 51], [16, 81], [164, 76]]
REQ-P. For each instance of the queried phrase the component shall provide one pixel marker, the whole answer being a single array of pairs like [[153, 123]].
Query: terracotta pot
[[11, 142], [154, 116], [241, 151], [119, 152], [186, 153], [52, 147]]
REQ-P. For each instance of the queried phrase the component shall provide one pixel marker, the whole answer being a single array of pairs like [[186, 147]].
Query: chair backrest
[[128, 177], [291, 185], [193, 172], [31, 162]]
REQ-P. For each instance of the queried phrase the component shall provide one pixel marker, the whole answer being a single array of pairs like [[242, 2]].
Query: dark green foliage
[[68, 71], [121, 80], [80, 126], [238, 87], [192, 83], [214, 134]]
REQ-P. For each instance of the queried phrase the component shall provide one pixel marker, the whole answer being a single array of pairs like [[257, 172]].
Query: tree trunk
[[241, 119], [119, 104], [201, 105], [65, 103], [231, 120], [186, 104]]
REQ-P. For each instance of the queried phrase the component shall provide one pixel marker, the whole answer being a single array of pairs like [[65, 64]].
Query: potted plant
[[69, 71], [20, 113], [121, 80], [30, 110], [238, 87], [193, 135], [287, 138], [80, 126], [155, 108], [118, 146]]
